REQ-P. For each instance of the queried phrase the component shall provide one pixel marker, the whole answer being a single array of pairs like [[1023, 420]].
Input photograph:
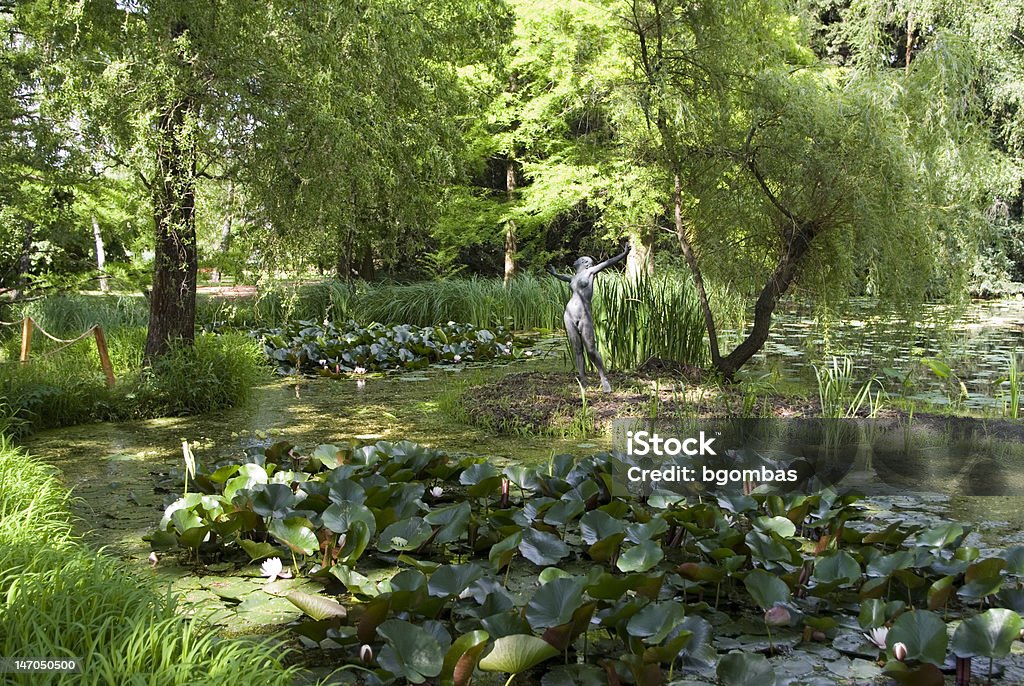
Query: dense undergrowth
[[61, 599]]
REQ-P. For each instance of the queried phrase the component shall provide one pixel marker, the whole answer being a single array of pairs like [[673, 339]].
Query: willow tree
[[785, 171], [323, 107]]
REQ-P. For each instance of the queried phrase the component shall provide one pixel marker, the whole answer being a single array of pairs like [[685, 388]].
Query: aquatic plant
[[63, 600], [330, 349], [836, 395], [652, 576]]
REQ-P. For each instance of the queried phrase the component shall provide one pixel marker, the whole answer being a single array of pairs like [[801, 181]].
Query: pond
[[123, 475], [975, 342]]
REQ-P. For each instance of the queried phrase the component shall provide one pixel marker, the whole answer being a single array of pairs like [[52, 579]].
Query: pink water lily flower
[[877, 636]]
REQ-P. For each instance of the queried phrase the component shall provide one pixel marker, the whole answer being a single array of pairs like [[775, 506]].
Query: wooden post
[[26, 339], [101, 348]]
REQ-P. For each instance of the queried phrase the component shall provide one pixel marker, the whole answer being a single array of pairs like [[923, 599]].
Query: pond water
[[975, 341], [119, 473]]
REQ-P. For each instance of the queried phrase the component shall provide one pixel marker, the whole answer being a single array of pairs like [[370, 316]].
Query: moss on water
[[114, 469]]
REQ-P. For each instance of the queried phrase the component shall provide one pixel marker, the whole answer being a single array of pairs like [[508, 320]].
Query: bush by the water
[[331, 349], [67, 387], [59, 599]]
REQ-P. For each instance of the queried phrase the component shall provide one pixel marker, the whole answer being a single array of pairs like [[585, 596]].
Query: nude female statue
[[579, 316]]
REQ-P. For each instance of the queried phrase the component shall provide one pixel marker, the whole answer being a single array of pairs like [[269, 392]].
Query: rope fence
[[28, 325]]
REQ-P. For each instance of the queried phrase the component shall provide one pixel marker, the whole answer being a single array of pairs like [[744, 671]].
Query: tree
[[785, 170], [345, 141], [556, 170]]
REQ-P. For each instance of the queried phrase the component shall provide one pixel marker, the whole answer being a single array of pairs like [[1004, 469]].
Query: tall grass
[[638, 319], [836, 391], [61, 599], [69, 314], [67, 387]]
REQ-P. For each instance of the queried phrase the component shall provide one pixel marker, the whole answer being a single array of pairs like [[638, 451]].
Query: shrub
[[216, 372], [68, 387]]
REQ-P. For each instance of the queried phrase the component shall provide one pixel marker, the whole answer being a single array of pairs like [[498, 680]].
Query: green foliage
[[68, 314], [217, 372], [654, 317], [67, 387], [65, 600], [456, 531], [331, 349]]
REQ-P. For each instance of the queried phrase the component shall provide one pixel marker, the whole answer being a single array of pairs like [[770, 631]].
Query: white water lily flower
[[359, 370], [877, 636], [458, 358], [274, 569], [436, 492], [899, 651]]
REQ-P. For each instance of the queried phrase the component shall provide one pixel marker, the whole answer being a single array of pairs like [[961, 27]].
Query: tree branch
[[751, 162]]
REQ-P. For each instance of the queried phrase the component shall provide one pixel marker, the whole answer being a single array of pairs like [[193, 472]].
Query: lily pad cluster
[[434, 567], [330, 349]]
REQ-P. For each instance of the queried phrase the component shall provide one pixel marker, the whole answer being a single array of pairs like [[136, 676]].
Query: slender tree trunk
[[25, 259], [641, 256], [101, 255], [910, 41], [797, 244], [225, 231], [510, 225], [172, 303], [698, 277], [367, 269]]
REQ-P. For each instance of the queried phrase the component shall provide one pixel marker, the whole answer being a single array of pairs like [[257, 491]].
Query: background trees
[[832, 147]]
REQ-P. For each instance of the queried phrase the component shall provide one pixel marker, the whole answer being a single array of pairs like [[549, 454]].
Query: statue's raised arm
[[611, 260], [560, 277]]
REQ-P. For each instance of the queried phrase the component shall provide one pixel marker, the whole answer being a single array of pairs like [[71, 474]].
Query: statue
[[579, 316]]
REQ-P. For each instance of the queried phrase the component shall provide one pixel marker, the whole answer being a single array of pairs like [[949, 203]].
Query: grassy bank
[[61, 599], [66, 387]]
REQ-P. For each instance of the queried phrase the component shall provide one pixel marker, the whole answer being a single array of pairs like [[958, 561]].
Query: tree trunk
[[797, 244], [101, 255], [367, 270], [698, 277], [510, 225], [641, 256], [172, 303], [25, 259], [225, 231]]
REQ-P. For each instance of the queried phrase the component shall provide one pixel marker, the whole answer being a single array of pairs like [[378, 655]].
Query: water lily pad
[[554, 603], [461, 659], [316, 606], [517, 653], [745, 669], [295, 535], [542, 549], [640, 558], [411, 651], [766, 589], [923, 633], [990, 634], [407, 534]]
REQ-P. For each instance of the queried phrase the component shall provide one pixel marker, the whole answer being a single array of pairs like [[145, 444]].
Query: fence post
[[101, 348], [26, 339]]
